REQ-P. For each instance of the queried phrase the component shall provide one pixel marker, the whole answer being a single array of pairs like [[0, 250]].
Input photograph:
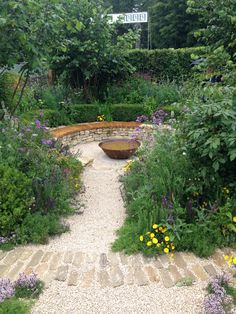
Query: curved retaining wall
[[97, 131]]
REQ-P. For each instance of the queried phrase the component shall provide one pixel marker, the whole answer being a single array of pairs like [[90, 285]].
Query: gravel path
[[93, 232]]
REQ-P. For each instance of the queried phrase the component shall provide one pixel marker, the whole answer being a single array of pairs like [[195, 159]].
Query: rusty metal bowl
[[119, 148]]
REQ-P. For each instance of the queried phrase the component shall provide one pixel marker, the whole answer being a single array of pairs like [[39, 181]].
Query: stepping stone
[[157, 263], [113, 258], [68, 257], [103, 262], [41, 269], [140, 277], [47, 256], [218, 259], [179, 261], [73, 278], [188, 273], [26, 254], [13, 274], [12, 257], [152, 275], [199, 272], [55, 261], [117, 277], [2, 254], [78, 259], [175, 273], [36, 258], [4, 270], [124, 259], [62, 273], [166, 279], [104, 279], [129, 278], [210, 270], [88, 278]]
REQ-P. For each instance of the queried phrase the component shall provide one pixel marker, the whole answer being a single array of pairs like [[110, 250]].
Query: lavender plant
[[28, 286], [7, 289]]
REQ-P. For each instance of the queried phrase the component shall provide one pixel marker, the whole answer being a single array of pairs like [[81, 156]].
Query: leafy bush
[[16, 197], [173, 64], [137, 91], [84, 113], [40, 177], [15, 306], [126, 112]]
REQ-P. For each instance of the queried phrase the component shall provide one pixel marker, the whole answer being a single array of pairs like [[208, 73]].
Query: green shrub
[[84, 113], [37, 228], [126, 112], [16, 198], [8, 81], [172, 64], [15, 306]]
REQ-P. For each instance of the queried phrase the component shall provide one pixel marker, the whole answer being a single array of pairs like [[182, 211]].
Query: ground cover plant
[[186, 181], [17, 297], [39, 177]]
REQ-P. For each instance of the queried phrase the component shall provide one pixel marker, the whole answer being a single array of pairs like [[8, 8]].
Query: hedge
[[168, 63]]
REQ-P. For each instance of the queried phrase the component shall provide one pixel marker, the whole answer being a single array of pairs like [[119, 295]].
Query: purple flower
[[158, 116], [47, 141], [38, 124], [142, 118], [7, 289], [27, 281]]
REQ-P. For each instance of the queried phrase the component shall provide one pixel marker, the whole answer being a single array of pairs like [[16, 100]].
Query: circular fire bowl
[[119, 148]]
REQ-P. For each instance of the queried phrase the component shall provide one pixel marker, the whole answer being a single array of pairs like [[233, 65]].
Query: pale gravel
[[122, 300], [93, 232]]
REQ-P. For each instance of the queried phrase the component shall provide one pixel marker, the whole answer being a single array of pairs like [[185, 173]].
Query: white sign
[[125, 18]]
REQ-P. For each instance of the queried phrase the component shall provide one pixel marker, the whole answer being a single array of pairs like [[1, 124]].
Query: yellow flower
[[141, 238], [172, 255], [226, 257], [172, 247], [148, 232], [167, 239], [154, 240], [149, 243], [158, 244], [152, 235], [160, 228], [164, 230], [156, 230], [166, 250], [234, 219], [234, 260], [154, 226]]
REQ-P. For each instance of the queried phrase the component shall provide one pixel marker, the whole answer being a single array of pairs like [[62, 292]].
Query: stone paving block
[[210, 270], [218, 259], [124, 259], [104, 279], [152, 274], [188, 273], [78, 259], [56, 258], [12, 257], [140, 277], [41, 270], [47, 256], [14, 272], [91, 258], [136, 260], [174, 273], [73, 278], [164, 260], [26, 254], [36, 258], [103, 261], [199, 272], [117, 277], [4, 270], [88, 278], [68, 257], [157, 263], [166, 278], [2, 254], [62, 272], [179, 260], [113, 258], [129, 278]]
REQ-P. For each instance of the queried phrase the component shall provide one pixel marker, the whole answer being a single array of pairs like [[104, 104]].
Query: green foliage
[[39, 178], [26, 292], [15, 306], [171, 26], [220, 22], [210, 135], [173, 64], [84, 113], [126, 112], [138, 91], [38, 228], [186, 281], [16, 197]]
